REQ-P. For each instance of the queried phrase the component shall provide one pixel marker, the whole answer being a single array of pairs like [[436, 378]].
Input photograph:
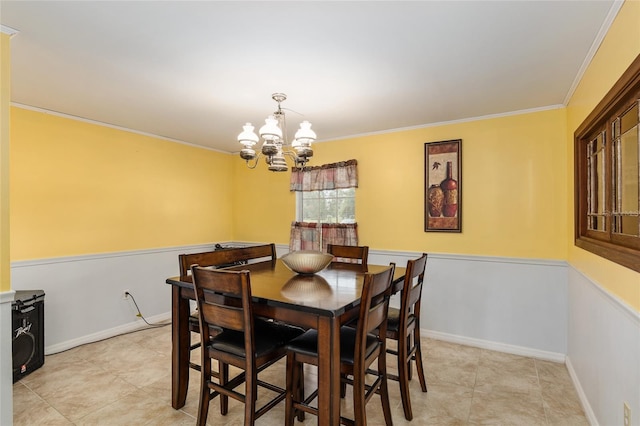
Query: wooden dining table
[[323, 301]]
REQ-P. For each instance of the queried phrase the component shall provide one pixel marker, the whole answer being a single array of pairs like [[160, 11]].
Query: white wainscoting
[[509, 305], [603, 351], [512, 305], [83, 294], [519, 305]]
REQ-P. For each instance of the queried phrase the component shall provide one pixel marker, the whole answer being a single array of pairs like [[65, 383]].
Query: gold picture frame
[[443, 186]]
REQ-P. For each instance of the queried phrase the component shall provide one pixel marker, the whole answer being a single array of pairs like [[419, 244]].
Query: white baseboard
[[495, 346], [139, 324], [588, 411]]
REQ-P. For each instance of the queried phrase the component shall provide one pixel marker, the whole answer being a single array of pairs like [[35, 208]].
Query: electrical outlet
[[627, 415], [125, 294]]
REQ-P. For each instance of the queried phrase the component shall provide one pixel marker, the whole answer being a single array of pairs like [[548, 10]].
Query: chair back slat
[[376, 317], [264, 252], [224, 316], [223, 298], [349, 254], [226, 256]]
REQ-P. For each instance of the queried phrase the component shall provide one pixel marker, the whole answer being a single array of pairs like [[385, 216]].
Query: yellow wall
[[263, 207], [513, 188], [79, 188], [5, 98], [619, 48]]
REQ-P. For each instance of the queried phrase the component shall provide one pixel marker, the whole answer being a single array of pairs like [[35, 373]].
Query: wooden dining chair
[[359, 348], [349, 255], [403, 325], [224, 300], [221, 257]]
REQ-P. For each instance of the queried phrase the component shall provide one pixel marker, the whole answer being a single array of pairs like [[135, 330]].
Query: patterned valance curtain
[[328, 176], [344, 234], [305, 236], [316, 236]]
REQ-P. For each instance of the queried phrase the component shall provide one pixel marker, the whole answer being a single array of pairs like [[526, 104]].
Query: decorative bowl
[[306, 288], [307, 261]]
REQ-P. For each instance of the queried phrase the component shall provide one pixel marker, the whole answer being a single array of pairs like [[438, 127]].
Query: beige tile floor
[[126, 380]]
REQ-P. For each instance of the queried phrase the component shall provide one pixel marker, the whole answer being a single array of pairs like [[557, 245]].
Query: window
[[327, 206], [607, 161]]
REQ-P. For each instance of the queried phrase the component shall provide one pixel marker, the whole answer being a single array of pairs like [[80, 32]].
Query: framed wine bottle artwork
[[443, 186]]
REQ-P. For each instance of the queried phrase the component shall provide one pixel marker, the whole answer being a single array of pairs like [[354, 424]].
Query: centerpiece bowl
[[307, 261]]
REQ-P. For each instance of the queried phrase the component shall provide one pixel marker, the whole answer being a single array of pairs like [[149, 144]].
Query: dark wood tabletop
[[329, 292]]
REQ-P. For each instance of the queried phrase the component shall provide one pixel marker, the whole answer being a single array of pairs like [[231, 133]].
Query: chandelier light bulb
[[270, 131], [248, 137], [304, 136]]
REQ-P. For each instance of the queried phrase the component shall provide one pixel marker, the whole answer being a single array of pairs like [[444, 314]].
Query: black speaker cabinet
[[28, 332]]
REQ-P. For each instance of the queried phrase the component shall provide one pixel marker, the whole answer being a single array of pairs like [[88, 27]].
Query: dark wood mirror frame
[[621, 249]]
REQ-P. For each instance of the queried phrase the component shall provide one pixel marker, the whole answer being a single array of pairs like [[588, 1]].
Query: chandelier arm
[[255, 163], [297, 161], [291, 155]]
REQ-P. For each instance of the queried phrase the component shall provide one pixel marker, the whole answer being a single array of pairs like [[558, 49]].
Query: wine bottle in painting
[[450, 190]]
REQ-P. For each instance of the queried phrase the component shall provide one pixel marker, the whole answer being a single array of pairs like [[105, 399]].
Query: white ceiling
[[197, 71]]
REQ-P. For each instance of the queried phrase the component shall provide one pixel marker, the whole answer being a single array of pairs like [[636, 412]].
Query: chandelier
[[275, 147]]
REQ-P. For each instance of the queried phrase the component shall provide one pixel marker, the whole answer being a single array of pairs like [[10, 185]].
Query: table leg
[[328, 371], [180, 341]]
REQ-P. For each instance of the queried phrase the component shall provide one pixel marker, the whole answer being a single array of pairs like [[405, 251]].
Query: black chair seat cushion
[[393, 319], [307, 344], [268, 337]]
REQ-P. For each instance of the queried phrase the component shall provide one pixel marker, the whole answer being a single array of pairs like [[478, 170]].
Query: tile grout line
[[546, 417], [46, 402], [475, 383]]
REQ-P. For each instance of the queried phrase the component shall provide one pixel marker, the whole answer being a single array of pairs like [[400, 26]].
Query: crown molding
[[606, 25], [8, 30]]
